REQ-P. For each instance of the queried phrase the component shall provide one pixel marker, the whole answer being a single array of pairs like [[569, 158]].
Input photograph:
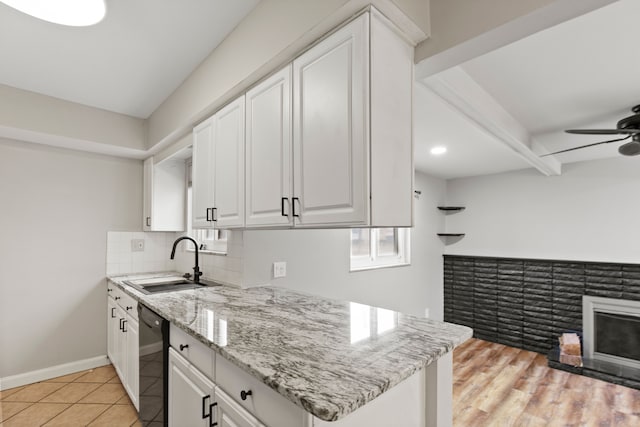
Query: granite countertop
[[330, 357]]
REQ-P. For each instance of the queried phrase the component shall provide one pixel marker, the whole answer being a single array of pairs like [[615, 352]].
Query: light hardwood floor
[[496, 385]]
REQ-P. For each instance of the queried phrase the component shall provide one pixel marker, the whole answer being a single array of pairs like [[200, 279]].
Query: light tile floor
[[88, 398]]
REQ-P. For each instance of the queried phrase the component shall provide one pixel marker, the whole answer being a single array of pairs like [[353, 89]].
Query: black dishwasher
[[153, 365]]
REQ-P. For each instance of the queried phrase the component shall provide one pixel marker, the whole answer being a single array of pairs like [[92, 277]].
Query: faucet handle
[[187, 275]]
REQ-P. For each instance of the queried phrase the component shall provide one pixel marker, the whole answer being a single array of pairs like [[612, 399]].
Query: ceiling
[[128, 63], [580, 74]]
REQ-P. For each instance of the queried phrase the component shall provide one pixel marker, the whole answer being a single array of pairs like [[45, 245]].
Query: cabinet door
[[228, 166], [190, 394], [132, 377], [230, 414], [268, 152], [112, 331], [120, 363], [330, 129], [147, 194], [202, 175]]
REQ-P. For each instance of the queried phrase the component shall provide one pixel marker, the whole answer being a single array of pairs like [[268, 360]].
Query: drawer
[[126, 302], [198, 354], [267, 405]]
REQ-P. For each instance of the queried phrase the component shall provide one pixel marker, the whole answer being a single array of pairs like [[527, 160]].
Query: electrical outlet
[[279, 269], [137, 245]]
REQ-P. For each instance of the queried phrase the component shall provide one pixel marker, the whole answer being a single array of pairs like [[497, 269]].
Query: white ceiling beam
[[459, 90]]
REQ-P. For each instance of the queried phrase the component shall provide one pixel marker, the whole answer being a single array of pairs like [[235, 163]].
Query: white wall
[[56, 208], [318, 261], [589, 213]]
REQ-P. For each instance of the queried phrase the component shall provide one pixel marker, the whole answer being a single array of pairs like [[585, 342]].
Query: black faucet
[[196, 270]]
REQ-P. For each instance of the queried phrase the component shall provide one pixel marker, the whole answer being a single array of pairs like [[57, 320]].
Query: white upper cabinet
[[328, 139], [331, 158], [218, 169], [202, 175], [164, 195], [268, 152], [228, 166]]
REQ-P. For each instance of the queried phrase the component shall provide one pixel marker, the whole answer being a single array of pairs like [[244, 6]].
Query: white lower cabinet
[[191, 394], [122, 340], [230, 414]]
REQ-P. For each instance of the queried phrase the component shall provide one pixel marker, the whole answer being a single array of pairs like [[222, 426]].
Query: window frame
[[373, 260]]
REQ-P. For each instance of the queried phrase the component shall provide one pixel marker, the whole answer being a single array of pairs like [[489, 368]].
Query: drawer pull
[[117, 298], [112, 313], [204, 405], [183, 346], [129, 308], [211, 417], [244, 394]]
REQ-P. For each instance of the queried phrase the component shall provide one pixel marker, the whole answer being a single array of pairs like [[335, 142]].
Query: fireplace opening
[[617, 335], [612, 330]]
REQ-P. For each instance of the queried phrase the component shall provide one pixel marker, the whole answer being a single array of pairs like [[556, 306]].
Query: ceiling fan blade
[[603, 131], [588, 145]]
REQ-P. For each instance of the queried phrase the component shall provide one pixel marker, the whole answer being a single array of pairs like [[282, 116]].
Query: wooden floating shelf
[[451, 234], [451, 208]]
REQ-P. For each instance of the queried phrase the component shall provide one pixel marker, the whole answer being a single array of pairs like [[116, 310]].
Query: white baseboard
[[52, 372]]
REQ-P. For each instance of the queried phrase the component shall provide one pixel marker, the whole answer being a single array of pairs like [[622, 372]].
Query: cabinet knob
[[128, 307], [117, 298], [183, 346], [109, 290], [244, 394]]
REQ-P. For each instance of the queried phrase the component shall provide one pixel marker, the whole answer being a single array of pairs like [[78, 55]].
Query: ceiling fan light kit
[[629, 126]]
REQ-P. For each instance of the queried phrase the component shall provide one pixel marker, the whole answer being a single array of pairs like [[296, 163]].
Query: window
[[379, 247], [211, 240]]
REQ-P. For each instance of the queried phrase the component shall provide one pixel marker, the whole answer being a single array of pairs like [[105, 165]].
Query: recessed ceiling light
[[74, 13], [438, 150]]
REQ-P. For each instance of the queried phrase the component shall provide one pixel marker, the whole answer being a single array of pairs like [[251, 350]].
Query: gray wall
[[57, 206], [318, 261], [589, 213]]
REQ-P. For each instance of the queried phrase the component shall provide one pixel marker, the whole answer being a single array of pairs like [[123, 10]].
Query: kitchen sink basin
[[158, 285]]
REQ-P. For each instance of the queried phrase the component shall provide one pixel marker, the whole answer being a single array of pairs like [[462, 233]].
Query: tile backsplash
[[122, 259]]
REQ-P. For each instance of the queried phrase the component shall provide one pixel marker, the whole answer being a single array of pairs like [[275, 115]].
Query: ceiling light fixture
[[74, 13], [438, 150]]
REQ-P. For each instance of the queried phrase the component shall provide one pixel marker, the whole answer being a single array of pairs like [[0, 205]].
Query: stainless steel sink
[[166, 284]]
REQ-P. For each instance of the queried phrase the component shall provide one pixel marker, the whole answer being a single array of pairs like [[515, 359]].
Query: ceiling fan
[[629, 126]]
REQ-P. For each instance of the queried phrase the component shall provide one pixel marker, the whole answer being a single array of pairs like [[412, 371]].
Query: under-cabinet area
[[326, 141]]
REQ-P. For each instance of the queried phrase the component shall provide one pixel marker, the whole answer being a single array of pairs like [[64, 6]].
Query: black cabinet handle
[[284, 199], [211, 417], [124, 324], [112, 313], [204, 405], [117, 298], [214, 215], [208, 216], [293, 206], [109, 290], [244, 394], [121, 327], [148, 221], [183, 346], [128, 308]]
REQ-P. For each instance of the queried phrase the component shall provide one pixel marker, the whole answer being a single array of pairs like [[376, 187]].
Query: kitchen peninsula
[[333, 361]]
